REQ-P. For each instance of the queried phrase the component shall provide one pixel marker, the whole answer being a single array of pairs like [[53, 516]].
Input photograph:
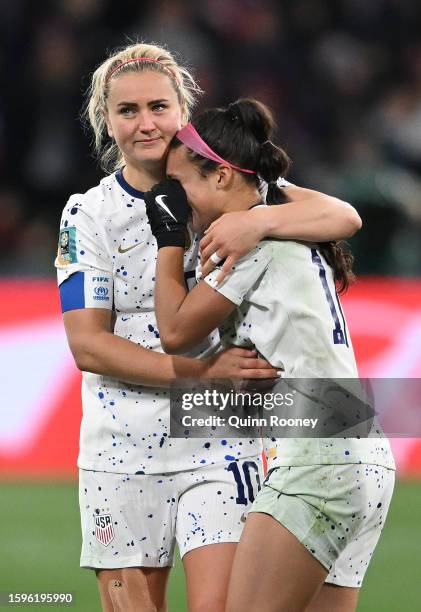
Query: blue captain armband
[[86, 290], [72, 292]]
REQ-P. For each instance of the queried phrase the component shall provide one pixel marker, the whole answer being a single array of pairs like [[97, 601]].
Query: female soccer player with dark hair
[[141, 490], [319, 515]]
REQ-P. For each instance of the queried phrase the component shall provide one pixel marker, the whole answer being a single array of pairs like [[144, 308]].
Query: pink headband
[[190, 137], [139, 59]]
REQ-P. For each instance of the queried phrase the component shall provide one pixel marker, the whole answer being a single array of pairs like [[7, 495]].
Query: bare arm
[[96, 349], [184, 318], [309, 216]]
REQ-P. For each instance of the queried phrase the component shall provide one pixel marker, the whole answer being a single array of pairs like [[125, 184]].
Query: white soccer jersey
[[287, 307], [106, 259]]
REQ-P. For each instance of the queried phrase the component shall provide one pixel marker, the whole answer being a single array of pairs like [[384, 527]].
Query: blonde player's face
[[143, 114], [202, 193]]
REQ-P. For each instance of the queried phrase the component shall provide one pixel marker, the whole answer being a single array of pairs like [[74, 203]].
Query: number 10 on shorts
[[250, 471]]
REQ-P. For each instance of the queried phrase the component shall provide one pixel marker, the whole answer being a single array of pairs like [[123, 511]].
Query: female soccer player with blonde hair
[[141, 490]]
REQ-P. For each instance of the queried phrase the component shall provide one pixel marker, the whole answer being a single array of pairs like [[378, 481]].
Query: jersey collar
[[135, 193]]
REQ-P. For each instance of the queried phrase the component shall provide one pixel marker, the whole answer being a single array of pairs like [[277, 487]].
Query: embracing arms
[[308, 215], [89, 321], [184, 318], [96, 349], [311, 216]]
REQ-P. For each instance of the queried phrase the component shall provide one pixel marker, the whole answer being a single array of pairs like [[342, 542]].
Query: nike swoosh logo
[[160, 203], [121, 250]]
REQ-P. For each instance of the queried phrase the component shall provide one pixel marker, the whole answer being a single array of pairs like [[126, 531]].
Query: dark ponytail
[[339, 257], [273, 163], [241, 133]]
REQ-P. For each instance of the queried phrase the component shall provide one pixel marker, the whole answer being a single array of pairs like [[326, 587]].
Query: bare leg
[[208, 570], [272, 570], [133, 589], [332, 598]]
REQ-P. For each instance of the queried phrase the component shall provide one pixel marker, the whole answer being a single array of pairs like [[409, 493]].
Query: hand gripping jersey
[[106, 259], [287, 307]]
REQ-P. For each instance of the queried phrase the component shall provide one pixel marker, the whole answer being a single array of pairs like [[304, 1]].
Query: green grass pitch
[[40, 539]]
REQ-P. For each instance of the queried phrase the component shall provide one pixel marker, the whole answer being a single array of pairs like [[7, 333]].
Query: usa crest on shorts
[[104, 530]]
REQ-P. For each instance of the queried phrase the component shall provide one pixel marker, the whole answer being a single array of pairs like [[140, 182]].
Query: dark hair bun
[[272, 161], [241, 133], [255, 116]]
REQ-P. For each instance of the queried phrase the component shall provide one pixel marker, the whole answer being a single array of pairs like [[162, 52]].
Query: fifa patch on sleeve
[[67, 253], [91, 289]]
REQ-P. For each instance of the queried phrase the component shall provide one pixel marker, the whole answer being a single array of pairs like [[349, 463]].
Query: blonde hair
[[185, 86]]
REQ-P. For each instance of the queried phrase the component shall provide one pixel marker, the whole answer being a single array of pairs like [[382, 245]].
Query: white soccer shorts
[[336, 511], [135, 520]]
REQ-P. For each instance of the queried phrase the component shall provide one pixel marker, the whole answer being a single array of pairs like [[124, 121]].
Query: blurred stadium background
[[344, 79]]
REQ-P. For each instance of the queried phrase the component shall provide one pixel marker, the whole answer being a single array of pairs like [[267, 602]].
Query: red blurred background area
[[40, 385]]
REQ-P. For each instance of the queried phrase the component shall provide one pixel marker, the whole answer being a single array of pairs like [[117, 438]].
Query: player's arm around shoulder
[[318, 217], [307, 215]]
